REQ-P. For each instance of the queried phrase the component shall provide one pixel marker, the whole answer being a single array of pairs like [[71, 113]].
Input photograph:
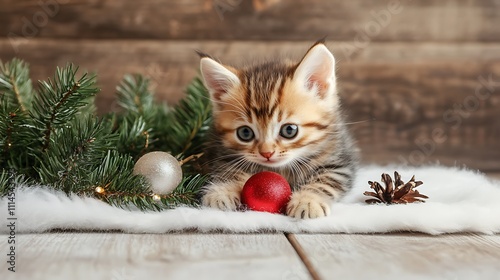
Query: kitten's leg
[[313, 200], [224, 195]]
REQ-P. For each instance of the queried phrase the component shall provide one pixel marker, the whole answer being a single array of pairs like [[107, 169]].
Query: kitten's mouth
[[272, 162]]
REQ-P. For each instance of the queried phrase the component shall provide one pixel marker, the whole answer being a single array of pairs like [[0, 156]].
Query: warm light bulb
[[156, 197], [99, 190]]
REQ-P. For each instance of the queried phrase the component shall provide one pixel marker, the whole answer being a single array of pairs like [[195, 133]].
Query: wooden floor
[[119, 256]]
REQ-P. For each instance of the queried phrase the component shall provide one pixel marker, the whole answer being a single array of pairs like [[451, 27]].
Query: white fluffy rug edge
[[459, 201]]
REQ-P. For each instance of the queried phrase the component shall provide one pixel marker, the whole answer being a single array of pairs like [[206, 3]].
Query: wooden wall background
[[422, 78]]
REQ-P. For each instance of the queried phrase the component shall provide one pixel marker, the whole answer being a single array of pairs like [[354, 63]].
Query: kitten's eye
[[289, 130], [245, 133]]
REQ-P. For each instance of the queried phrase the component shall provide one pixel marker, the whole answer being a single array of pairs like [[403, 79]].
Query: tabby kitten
[[280, 117]]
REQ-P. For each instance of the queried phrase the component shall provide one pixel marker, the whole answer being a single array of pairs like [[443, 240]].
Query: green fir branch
[[57, 140], [138, 117], [9, 180], [134, 135], [5, 182], [187, 130], [15, 137], [134, 95], [115, 176], [186, 194], [60, 99], [81, 146], [15, 85]]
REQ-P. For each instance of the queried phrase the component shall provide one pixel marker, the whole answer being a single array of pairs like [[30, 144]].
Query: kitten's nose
[[267, 155]]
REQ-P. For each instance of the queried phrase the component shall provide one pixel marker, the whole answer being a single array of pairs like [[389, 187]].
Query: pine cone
[[401, 194]]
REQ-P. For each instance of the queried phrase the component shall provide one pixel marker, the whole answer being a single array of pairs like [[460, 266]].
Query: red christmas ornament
[[266, 191]]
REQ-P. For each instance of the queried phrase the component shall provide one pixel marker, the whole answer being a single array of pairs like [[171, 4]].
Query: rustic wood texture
[[391, 20], [414, 256], [402, 97], [494, 175], [303, 256], [120, 256]]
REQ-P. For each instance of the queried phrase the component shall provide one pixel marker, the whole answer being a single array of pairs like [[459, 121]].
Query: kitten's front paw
[[307, 205], [222, 196]]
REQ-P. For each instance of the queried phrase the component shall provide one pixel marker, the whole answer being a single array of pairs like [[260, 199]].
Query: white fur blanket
[[459, 201]]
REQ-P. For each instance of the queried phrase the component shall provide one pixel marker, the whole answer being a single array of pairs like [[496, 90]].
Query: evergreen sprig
[[136, 123], [78, 149], [186, 132], [60, 99], [5, 182], [16, 96], [16, 90], [134, 95], [134, 135], [15, 137], [54, 137]]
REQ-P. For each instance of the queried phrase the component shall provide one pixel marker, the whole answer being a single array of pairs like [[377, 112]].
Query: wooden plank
[[342, 256], [356, 20], [494, 175], [152, 256], [303, 256], [408, 97]]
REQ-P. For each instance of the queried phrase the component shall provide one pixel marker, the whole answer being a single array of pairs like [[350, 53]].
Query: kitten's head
[[276, 113]]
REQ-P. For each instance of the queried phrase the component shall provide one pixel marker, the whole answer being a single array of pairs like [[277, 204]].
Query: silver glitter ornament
[[162, 171]]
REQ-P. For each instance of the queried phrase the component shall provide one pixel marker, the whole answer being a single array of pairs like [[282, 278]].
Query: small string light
[[156, 197], [145, 133], [99, 190]]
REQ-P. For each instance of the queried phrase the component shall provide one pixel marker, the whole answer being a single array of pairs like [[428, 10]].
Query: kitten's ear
[[218, 79], [316, 71]]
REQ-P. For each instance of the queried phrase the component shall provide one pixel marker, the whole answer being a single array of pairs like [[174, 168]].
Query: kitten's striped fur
[[272, 99]]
